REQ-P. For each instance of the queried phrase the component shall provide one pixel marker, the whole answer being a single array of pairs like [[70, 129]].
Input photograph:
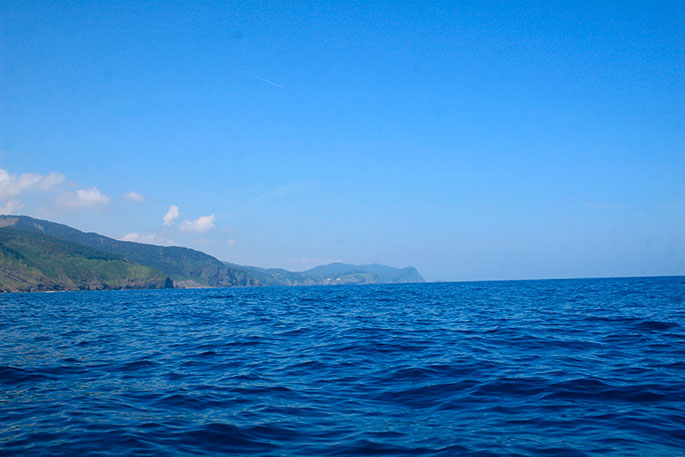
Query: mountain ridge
[[189, 268], [183, 265], [335, 273], [385, 274]]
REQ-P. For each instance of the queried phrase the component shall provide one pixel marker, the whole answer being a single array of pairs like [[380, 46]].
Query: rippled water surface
[[525, 368]]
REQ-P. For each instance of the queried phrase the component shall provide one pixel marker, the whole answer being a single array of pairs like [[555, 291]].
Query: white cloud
[[50, 181], [134, 197], [11, 206], [13, 185], [231, 242], [149, 238], [171, 215], [82, 198], [200, 225]]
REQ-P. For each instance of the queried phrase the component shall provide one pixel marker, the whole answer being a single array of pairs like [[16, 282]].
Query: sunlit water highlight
[[525, 368]]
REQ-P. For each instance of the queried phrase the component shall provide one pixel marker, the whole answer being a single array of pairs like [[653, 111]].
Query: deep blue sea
[[591, 367]]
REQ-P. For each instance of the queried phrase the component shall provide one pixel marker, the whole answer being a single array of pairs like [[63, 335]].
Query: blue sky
[[473, 140]]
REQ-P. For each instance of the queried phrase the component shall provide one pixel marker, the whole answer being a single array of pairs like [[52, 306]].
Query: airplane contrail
[[265, 80]]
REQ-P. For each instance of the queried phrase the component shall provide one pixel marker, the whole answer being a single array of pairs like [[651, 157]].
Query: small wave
[[513, 386], [138, 365], [11, 375], [428, 395], [193, 402], [655, 326], [368, 447], [592, 389], [220, 437]]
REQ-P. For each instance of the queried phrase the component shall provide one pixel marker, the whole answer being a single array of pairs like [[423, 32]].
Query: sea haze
[[520, 368]]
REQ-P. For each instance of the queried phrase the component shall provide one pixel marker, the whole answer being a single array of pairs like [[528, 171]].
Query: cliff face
[[33, 262]]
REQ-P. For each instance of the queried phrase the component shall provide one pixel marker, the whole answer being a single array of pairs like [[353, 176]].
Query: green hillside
[[33, 262], [184, 266]]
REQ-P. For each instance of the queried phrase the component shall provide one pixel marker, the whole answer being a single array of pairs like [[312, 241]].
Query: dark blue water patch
[[11, 375], [655, 326], [522, 368]]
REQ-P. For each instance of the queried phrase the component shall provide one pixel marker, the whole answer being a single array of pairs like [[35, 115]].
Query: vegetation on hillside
[[182, 265], [33, 262], [58, 257]]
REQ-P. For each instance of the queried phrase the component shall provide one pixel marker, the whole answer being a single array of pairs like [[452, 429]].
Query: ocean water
[[520, 368]]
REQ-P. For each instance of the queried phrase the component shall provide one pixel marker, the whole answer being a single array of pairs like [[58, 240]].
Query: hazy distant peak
[[385, 274]]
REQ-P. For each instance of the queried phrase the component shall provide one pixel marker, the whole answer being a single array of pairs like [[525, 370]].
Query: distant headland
[[39, 256]]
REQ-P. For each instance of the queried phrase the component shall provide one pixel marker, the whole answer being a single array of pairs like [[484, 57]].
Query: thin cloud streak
[[265, 80]]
